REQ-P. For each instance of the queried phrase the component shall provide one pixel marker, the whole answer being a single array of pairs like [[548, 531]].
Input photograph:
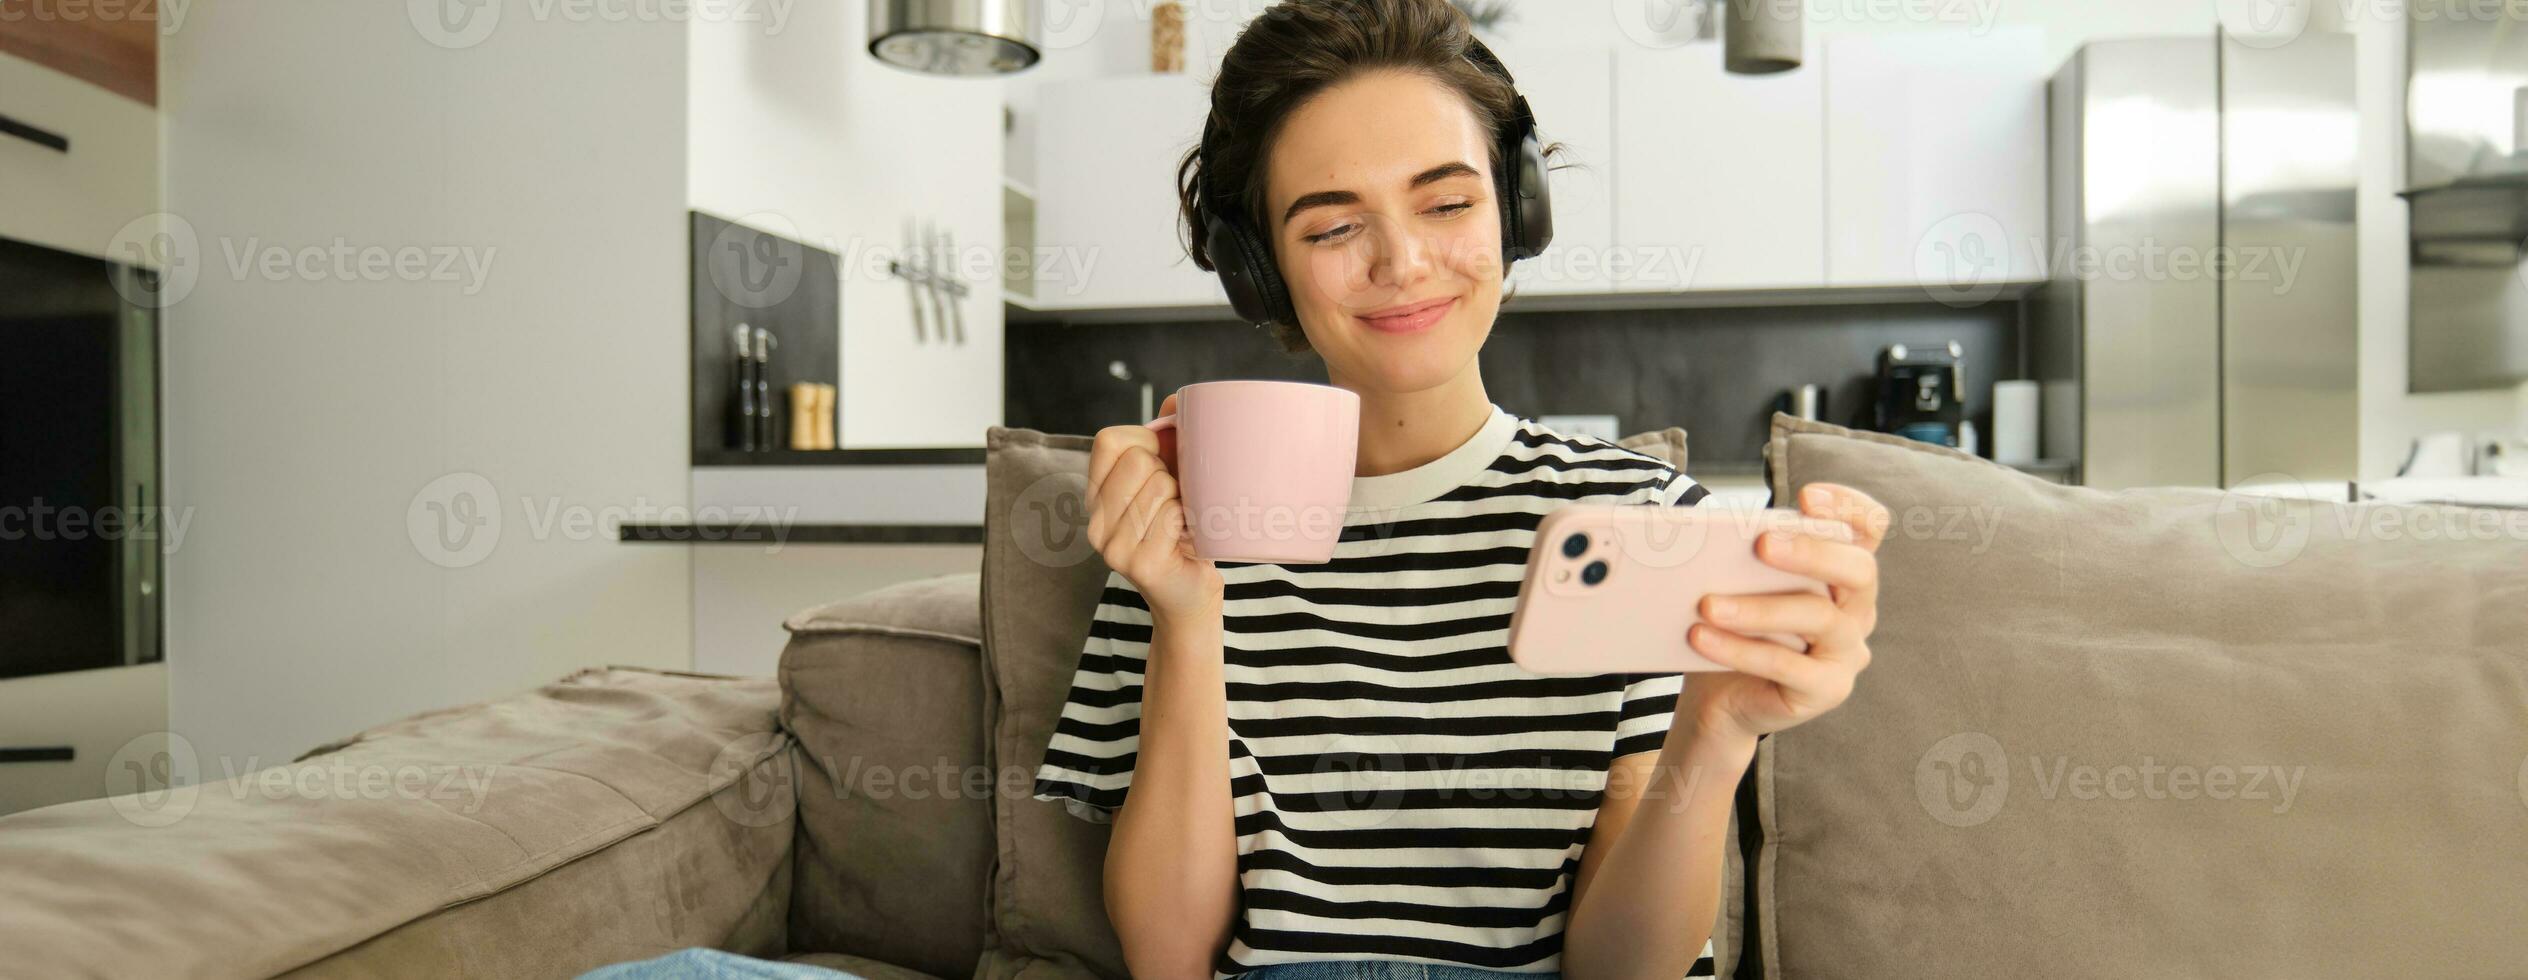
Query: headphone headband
[[1243, 257]]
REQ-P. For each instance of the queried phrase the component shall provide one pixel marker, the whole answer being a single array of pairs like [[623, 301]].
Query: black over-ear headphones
[[1244, 258]]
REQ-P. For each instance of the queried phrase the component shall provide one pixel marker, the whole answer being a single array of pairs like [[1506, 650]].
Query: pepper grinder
[[765, 415], [741, 407]]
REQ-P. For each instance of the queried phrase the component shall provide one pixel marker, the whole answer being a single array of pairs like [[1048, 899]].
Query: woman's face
[[1379, 195]]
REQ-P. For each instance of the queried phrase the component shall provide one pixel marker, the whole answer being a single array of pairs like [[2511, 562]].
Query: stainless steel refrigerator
[[2198, 326]]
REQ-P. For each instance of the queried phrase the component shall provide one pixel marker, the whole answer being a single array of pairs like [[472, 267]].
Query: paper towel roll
[[2014, 422]]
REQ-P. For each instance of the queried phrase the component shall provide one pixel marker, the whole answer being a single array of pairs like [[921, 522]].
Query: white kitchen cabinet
[[1935, 159], [114, 722], [1717, 176], [1106, 221], [1571, 90], [76, 201]]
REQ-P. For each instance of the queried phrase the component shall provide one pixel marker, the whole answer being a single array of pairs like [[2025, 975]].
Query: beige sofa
[[2155, 732]]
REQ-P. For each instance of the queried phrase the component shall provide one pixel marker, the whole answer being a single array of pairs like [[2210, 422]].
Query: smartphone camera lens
[[1573, 546], [1593, 573]]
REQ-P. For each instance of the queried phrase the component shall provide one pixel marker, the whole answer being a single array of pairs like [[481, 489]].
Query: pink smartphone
[[1611, 588]]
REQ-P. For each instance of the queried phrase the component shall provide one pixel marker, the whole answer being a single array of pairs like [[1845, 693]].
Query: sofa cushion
[[884, 693], [1668, 444], [1041, 580], [2109, 733], [607, 817]]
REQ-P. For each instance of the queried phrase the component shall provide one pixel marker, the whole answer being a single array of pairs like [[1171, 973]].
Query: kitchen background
[[437, 339]]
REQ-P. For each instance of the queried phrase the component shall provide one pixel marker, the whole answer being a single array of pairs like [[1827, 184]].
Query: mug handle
[[1165, 426]]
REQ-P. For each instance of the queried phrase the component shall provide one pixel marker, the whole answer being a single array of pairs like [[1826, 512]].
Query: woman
[[1321, 760]]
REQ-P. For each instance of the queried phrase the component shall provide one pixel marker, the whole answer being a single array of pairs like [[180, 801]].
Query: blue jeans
[[1381, 970], [712, 964]]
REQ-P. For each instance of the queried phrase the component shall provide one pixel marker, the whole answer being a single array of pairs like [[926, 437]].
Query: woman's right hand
[[1137, 522]]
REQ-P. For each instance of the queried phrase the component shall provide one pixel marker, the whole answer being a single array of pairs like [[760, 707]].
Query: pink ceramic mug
[[1264, 467]]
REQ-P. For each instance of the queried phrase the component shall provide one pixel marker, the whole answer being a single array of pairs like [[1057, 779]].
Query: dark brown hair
[[1287, 55]]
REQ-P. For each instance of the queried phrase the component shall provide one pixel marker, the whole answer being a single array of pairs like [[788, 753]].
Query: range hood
[[963, 38]]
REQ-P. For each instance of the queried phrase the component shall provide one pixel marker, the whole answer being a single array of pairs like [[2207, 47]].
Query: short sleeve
[[1088, 762], [1650, 701], [1679, 490]]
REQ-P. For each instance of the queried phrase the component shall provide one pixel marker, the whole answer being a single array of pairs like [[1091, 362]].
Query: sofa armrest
[[610, 816], [884, 693]]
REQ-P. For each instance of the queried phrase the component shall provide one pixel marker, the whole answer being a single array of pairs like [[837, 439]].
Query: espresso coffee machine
[[1920, 392]]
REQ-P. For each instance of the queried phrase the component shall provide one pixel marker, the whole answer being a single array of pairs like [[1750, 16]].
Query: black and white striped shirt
[[1403, 791]]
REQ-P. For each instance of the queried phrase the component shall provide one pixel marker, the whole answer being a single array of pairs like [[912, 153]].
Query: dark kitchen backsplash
[[1714, 372]]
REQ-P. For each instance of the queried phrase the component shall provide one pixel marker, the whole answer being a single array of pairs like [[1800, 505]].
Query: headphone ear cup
[[1246, 272], [1531, 197]]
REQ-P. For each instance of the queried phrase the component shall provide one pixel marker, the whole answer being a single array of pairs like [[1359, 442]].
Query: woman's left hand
[[1770, 687]]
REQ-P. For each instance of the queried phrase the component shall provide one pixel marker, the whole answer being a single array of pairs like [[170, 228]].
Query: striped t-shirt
[[1403, 791]]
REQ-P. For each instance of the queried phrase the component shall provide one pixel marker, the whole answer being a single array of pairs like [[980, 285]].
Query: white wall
[[743, 593], [798, 131], [309, 416]]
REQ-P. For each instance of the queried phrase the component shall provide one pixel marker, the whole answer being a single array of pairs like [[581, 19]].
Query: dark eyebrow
[[1320, 199]]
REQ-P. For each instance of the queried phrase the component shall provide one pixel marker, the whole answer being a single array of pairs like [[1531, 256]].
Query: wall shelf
[[2001, 292], [838, 457], [801, 534]]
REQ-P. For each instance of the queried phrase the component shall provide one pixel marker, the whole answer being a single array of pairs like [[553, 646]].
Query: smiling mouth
[[1408, 319]]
